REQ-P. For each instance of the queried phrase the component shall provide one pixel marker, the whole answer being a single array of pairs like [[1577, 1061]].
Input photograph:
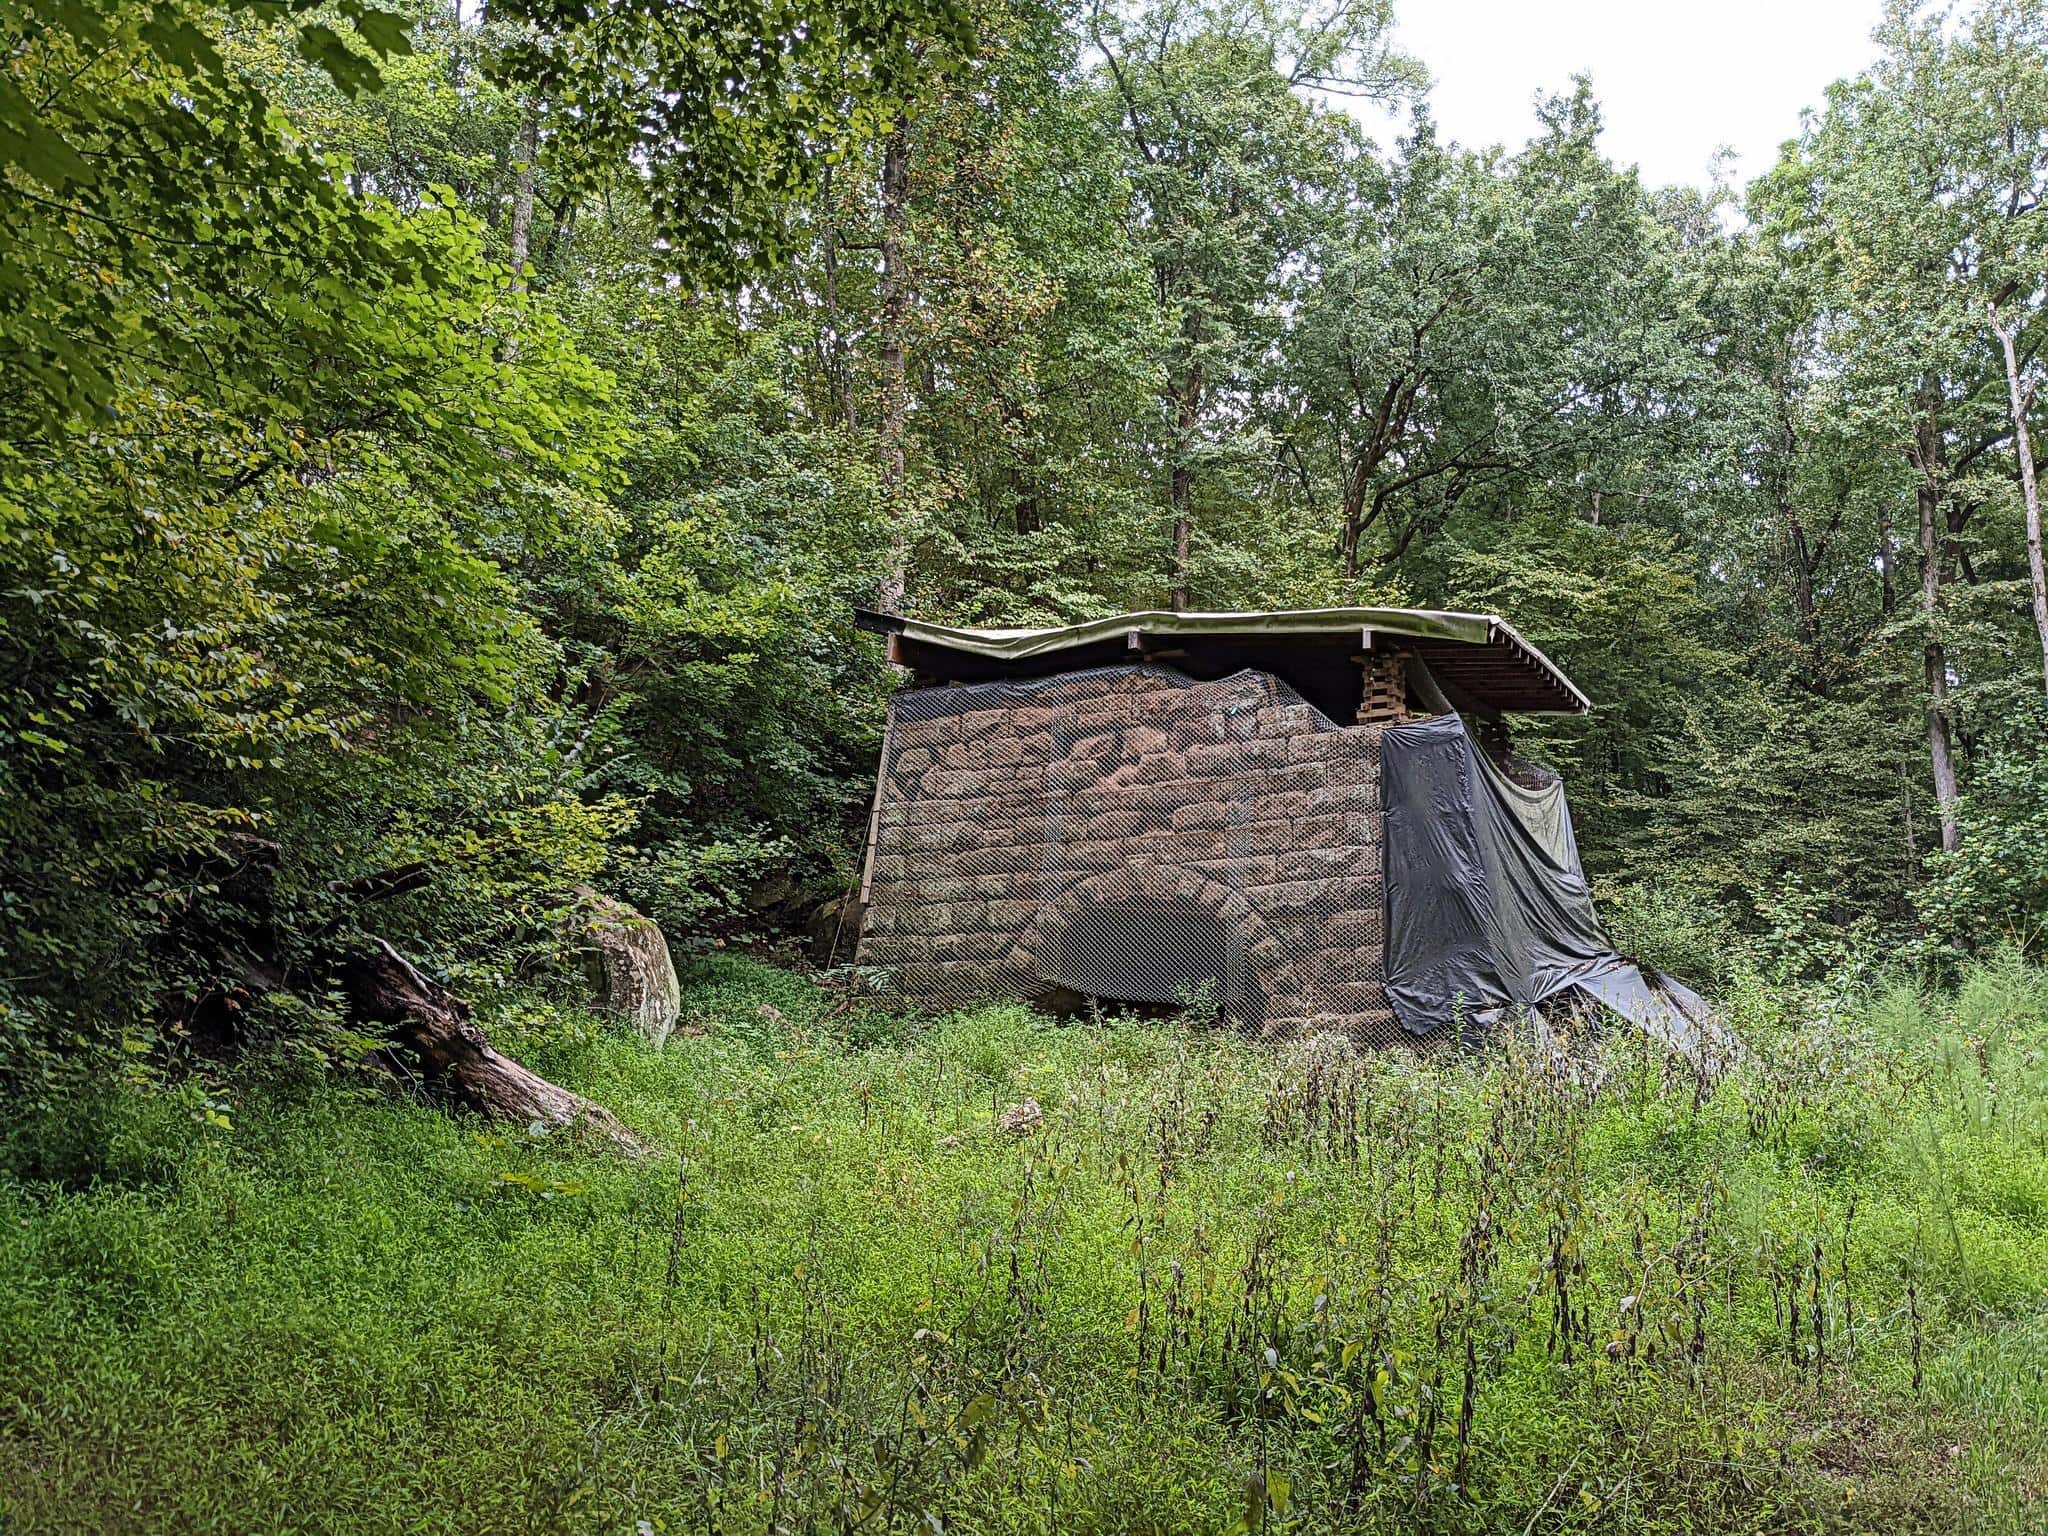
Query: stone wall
[[1006, 808]]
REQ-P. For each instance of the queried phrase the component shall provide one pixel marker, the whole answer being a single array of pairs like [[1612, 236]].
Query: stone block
[[1156, 767], [941, 838], [1287, 896], [984, 752], [1318, 831], [1348, 796], [937, 890], [1073, 776], [1292, 778], [1287, 721], [1361, 827], [1106, 824], [1162, 845], [1005, 860], [1360, 928], [983, 947], [1346, 997], [1241, 870], [1322, 747], [1328, 863], [1262, 837], [1138, 740], [939, 732], [1098, 747], [961, 916], [1012, 917], [1282, 806], [1094, 856], [958, 783]]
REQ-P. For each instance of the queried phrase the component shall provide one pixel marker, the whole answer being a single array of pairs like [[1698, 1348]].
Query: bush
[[1993, 890]]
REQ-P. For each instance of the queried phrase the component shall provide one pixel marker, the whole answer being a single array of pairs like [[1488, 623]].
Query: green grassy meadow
[[1217, 1287]]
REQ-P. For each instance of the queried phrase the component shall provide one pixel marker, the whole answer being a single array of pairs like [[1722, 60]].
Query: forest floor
[[1216, 1287]]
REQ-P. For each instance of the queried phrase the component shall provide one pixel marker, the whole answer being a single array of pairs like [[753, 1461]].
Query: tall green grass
[[1218, 1287]]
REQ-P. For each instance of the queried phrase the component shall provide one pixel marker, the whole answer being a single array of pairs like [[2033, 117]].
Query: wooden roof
[[1478, 659]]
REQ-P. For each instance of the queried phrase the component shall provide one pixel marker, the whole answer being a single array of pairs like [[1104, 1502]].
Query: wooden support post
[[1383, 690], [867, 864]]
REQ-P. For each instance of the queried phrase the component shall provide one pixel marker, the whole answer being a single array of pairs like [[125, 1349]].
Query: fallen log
[[457, 1062]]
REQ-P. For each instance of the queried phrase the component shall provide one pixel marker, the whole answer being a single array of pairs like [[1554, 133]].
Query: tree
[[1903, 201], [719, 116], [1225, 155]]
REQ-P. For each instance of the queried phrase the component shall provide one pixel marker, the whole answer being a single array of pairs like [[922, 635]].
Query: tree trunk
[[1887, 562], [1354, 519], [1927, 454], [521, 234], [895, 298], [2023, 444], [837, 375], [1181, 483], [384, 988]]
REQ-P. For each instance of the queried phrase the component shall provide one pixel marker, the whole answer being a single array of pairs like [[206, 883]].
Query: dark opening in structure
[[1171, 952]]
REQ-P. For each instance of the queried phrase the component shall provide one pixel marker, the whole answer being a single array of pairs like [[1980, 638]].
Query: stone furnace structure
[[1193, 811]]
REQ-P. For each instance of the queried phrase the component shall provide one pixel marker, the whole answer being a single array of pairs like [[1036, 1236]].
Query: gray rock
[[628, 963]]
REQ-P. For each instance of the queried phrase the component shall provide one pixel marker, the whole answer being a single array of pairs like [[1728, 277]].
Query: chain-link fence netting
[[1130, 835]]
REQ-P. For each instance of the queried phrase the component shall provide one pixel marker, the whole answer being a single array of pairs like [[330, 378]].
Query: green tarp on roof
[[1485, 654]]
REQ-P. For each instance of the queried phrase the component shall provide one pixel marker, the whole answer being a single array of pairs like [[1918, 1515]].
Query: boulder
[[628, 962]]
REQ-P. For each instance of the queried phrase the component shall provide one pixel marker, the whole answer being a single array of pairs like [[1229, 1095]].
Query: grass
[[1219, 1287]]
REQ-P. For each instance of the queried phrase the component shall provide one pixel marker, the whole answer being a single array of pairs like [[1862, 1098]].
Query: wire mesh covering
[[1132, 835]]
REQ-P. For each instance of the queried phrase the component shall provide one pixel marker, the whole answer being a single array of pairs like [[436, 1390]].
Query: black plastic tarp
[[1487, 908]]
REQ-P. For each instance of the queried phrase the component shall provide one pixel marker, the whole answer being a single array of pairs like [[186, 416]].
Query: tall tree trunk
[[1887, 562], [1181, 482], [838, 376], [2023, 444], [895, 297], [1928, 461], [1354, 520], [528, 151]]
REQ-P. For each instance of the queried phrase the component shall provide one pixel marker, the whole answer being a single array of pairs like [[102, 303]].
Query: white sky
[[1675, 82]]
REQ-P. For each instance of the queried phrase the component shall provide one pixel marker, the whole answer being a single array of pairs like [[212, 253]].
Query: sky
[[1675, 81]]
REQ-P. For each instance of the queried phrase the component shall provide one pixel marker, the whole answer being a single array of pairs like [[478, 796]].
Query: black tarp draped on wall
[[1488, 910]]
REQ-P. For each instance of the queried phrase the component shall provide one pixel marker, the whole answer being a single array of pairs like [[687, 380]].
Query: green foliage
[[1993, 891], [1220, 1286], [320, 527], [238, 609], [718, 116]]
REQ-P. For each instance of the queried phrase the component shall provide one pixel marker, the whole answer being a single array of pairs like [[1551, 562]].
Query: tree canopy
[[461, 433]]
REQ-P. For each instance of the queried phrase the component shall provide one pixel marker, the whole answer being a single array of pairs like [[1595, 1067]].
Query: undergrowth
[[1215, 1287]]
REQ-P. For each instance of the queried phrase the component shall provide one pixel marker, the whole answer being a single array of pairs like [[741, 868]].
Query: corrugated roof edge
[[1018, 644]]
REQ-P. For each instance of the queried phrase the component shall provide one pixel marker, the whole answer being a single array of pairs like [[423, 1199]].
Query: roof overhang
[[1478, 659]]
